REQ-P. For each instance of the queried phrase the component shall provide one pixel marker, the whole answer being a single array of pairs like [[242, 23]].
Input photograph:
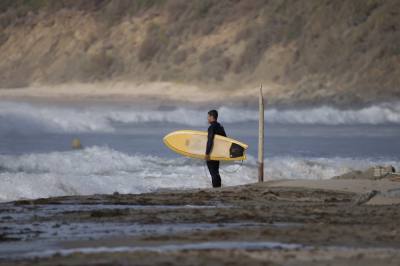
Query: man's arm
[[223, 131], [210, 139]]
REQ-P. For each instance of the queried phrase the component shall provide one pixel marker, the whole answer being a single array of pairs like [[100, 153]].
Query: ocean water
[[123, 149]]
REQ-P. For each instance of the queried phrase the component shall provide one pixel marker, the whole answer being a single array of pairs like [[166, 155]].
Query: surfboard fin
[[236, 150]]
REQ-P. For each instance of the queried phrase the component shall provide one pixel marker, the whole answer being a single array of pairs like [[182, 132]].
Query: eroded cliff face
[[317, 51]]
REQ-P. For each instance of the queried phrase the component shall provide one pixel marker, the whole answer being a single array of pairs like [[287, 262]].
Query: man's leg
[[213, 167]]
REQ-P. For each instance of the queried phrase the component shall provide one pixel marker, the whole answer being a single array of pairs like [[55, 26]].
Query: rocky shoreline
[[273, 223]]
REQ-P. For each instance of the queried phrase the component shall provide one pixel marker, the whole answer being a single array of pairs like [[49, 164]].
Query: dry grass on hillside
[[320, 50]]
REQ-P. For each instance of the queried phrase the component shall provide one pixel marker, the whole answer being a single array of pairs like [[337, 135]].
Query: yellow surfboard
[[192, 143]]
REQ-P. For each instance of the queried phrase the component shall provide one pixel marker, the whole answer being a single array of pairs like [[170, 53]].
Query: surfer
[[215, 128]]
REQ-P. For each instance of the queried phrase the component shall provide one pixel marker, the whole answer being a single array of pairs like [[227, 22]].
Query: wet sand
[[274, 223]]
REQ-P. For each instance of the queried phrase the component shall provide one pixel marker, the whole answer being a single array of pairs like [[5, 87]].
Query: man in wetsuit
[[215, 128]]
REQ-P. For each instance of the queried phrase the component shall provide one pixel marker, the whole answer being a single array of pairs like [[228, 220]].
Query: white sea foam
[[104, 170], [94, 118], [215, 245]]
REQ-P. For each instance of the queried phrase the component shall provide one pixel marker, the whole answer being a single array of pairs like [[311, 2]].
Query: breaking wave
[[94, 118], [104, 170]]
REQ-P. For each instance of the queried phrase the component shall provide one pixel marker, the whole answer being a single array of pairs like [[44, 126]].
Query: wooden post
[[261, 137]]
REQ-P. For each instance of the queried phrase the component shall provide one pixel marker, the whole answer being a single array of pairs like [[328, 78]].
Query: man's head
[[212, 116]]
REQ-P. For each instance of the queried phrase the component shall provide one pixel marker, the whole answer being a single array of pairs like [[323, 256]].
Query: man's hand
[[207, 157]]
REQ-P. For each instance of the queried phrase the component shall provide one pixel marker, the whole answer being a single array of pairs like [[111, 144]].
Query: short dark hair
[[213, 113]]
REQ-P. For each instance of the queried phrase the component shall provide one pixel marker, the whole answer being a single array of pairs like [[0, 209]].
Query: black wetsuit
[[213, 166]]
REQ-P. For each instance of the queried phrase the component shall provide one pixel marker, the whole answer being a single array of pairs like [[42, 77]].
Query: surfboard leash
[[205, 169], [224, 170], [234, 171]]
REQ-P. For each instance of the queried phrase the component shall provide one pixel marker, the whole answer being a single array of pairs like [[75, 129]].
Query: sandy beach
[[288, 222], [170, 93]]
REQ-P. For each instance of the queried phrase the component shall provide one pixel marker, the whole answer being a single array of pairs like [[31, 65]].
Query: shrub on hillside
[[214, 64], [258, 39], [154, 41], [115, 10], [180, 57]]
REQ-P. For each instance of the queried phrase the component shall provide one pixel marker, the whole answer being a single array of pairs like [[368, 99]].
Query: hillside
[[306, 52]]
